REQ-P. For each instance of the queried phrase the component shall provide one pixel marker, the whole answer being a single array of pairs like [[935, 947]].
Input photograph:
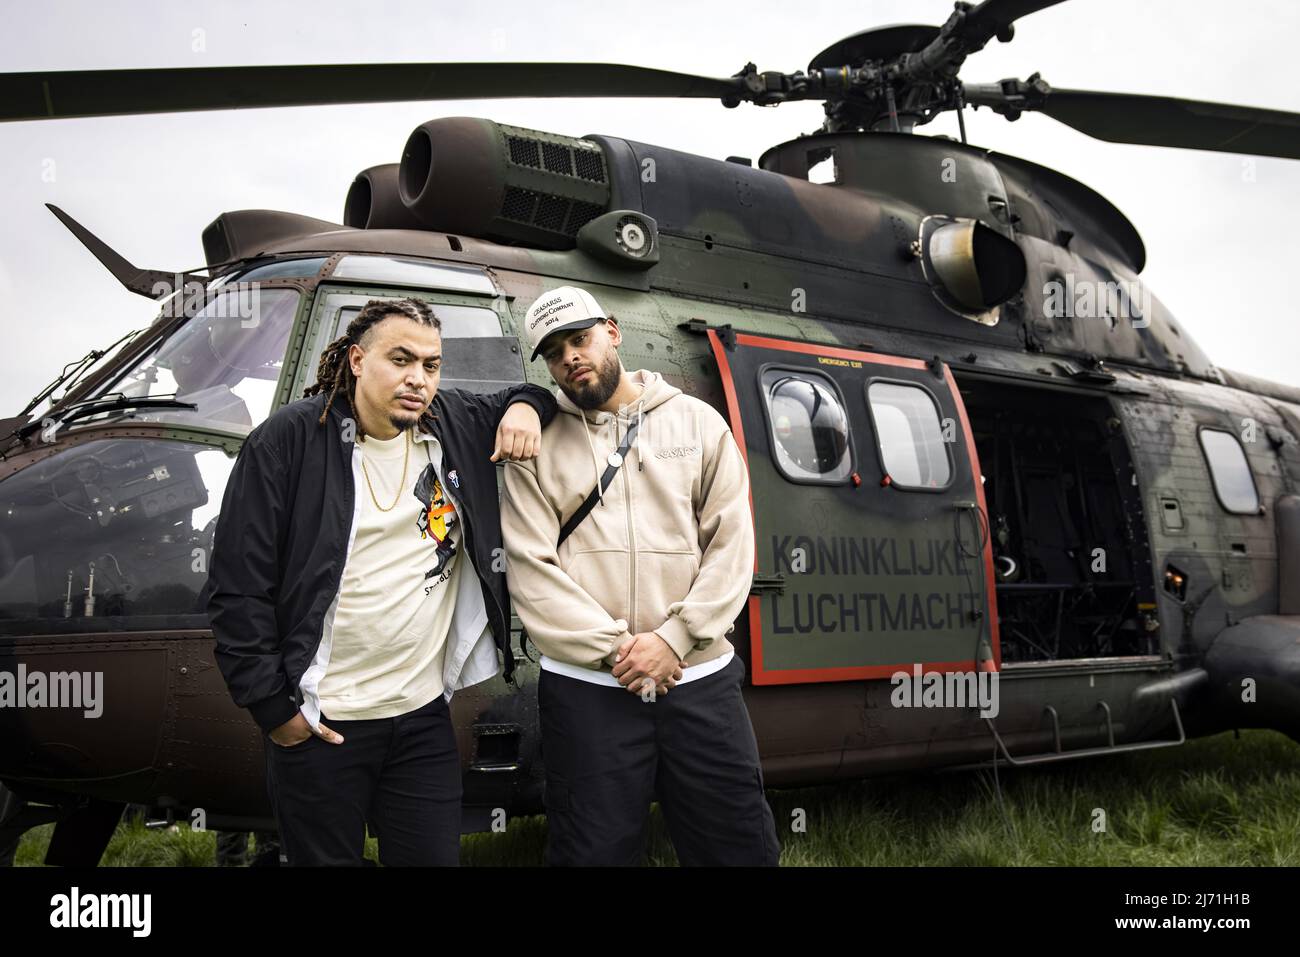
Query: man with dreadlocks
[[357, 580]]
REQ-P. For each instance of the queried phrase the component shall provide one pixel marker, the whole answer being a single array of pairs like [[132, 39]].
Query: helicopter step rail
[[500, 752], [1060, 754]]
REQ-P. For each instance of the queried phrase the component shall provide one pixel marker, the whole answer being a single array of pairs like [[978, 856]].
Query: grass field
[[1214, 802]]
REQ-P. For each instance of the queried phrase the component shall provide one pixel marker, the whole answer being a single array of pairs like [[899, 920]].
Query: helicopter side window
[[1233, 482], [808, 427], [475, 355], [912, 447], [458, 322]]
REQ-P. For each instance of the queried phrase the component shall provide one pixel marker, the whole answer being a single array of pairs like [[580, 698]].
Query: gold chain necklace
[[400, 485]]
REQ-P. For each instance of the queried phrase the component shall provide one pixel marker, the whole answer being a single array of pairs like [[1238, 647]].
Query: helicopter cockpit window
[[282, 269], [912, 447], [1233, 481], [808, 426], [415, 272], [112, 535], [226, 359]]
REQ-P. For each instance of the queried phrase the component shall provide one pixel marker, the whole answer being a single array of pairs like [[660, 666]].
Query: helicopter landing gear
[[80, 838]]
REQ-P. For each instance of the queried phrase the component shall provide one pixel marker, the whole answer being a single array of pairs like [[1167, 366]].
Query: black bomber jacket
[[282, 536]]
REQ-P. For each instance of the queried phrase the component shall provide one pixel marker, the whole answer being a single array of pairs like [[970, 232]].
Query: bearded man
[[630, 552]]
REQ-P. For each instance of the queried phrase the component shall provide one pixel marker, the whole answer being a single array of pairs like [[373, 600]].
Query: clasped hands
[[646, 656]]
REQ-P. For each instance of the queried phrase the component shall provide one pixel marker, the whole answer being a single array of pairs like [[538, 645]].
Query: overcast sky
[[1221, 247]]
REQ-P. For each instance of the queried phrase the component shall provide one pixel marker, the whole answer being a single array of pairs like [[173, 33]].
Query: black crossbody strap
[[610, 471]]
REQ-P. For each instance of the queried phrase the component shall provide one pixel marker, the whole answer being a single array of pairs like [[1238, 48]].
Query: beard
[[592, 395], [402, 422], [405, 423]]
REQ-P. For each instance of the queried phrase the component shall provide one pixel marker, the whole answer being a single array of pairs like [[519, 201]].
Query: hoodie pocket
[[664, 577], [602, 574]]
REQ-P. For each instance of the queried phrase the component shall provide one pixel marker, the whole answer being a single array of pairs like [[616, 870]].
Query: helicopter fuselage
[[1023, 489]]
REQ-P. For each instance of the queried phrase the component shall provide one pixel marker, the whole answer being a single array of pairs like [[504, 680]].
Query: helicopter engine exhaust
[[373, 201], [483, 179], [976, 266]]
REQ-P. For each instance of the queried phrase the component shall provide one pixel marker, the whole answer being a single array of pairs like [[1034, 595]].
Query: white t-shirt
[[398, 589], [702, 670]]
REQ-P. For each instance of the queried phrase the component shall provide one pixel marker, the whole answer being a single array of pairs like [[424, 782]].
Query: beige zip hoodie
[[670, 549]]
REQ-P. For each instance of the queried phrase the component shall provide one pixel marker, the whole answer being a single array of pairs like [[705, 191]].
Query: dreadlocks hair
[[335, 372]]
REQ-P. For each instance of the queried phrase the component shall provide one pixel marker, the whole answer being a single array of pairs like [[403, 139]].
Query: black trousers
[[401, 775], [608, 753]]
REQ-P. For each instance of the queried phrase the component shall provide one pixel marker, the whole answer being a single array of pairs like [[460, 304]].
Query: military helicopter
[[977, 445]]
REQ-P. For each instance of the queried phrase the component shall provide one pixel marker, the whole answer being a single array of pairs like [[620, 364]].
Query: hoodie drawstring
[[640, 415], [595, 462]]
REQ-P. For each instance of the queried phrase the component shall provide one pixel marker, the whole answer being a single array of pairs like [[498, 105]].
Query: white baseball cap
[[567, 307]]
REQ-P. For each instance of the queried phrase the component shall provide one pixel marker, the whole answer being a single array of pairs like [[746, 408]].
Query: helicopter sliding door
[[873, 553]]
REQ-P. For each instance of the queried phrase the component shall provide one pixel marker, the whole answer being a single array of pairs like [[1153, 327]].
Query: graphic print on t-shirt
[[437, 520]]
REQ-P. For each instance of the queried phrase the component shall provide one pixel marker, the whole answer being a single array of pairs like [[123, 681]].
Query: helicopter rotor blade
[[1167, 121], [1148, 120], [84, 93]]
